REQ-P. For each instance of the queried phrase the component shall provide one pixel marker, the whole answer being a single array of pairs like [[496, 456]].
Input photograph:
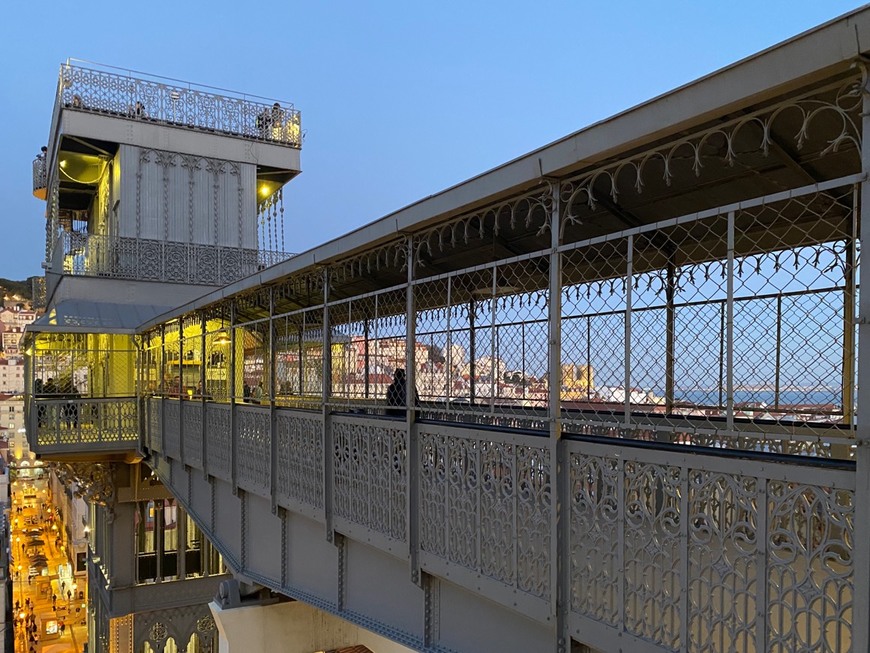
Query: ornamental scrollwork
[[158, 631], [93, 482], [844, 106], [526, 211]]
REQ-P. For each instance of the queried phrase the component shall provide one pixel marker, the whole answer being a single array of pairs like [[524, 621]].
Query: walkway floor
[[38, 550]]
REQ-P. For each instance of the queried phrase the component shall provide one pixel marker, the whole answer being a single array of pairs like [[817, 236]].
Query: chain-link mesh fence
[[482, 343], [76, 365], [298, 338], [368, 339], [732, 327]]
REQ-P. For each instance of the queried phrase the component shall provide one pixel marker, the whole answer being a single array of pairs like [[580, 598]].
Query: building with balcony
[[704, 490], [158, 191]]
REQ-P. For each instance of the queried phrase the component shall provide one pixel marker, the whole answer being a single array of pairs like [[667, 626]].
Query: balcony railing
[[650, 529], [40, 177], [156, 260], [173, 102], [68, 425]]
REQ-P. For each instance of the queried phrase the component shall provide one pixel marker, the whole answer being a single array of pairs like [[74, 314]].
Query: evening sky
[[399, 100]]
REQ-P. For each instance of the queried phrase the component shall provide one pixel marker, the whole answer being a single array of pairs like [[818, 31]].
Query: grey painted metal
[[685, 533], [184, 198], [729, 328], [849, 310], [327, 446], [202, 380], [273, 441], [683, 519], [629, 285], [559, 553], [412, 436], [142, 97], [158, 260], [40, 174], [861, 628], [66, 425], [234, 397], [769, 74], [87, 316]]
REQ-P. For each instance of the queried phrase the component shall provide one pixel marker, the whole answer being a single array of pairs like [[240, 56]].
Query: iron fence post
[[629, 274], [560, 554], [729, 328], [861, 600], [326, 391], [203, 380], [234, 477], [412, 512], [273, 418]]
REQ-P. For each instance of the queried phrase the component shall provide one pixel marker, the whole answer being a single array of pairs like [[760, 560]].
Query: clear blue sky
[[399, 99]]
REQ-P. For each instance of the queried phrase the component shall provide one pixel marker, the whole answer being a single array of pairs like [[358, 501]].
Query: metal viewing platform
[[89, 87]]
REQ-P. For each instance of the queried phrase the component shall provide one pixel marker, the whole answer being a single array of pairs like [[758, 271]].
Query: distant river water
[[711, 397]]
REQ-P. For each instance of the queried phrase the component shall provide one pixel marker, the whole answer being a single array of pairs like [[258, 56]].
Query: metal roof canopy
[[83, 316], [810, 64]]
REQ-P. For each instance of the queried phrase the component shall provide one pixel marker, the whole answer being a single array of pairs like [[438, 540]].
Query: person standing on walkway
[[397, 395]]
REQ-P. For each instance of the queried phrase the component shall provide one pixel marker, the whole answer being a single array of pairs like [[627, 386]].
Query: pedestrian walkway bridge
[[636, 357]]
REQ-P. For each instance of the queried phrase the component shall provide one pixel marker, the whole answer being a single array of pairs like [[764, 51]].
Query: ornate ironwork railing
[[156, 260], [40, 175], [673, 547], [710, 553], [156, 99], [73, 424]]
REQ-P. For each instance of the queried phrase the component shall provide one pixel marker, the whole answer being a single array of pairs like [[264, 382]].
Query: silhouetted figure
[[397, 394]]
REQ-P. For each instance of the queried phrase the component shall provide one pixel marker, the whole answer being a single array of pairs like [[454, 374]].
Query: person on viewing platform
[[264, 123], [397, 394], [137, 110]]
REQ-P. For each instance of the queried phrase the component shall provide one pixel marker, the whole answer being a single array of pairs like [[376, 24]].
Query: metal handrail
[[158, 99], [83, 254], [40, 173]]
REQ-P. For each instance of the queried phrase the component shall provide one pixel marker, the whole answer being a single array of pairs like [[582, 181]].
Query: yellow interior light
[[63, 163], [264, 190]]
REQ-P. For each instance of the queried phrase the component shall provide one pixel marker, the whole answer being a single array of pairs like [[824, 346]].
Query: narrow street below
[[50, 603]]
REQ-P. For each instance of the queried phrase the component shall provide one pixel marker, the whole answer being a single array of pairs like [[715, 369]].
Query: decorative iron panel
[[370, 474], [253, 432], [300, 459], [218, 447], [486, 504], [595, 561], [723, 579], [652, 552], [711, 554], [76, 422], [183, 105], [810, 567], [40, 174], [83, 254], [192, 418], [172, 434], [156, 424]]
